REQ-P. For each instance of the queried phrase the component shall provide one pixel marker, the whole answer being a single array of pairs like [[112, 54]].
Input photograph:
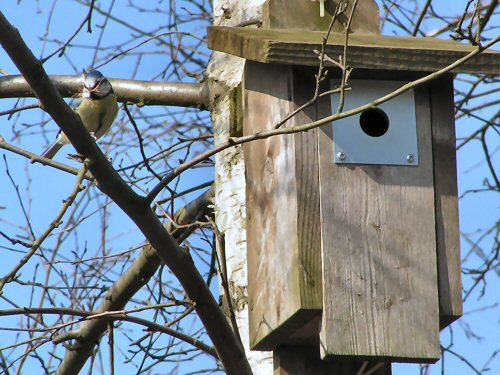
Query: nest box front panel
[[380, 295]]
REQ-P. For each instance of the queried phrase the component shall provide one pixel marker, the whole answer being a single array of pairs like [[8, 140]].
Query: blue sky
[[48, 187]]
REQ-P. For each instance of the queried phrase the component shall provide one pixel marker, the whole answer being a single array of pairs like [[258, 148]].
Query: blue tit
[[97, 110]]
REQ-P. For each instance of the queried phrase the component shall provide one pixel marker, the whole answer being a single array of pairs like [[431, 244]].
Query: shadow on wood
[[305, 360]]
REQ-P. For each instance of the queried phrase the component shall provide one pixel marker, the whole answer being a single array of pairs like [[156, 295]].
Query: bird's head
[[96, 86]]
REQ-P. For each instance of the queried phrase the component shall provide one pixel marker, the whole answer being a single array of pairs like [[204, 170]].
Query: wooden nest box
[[352, 227]]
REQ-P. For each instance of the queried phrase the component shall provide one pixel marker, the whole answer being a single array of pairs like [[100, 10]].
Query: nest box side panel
[[446, 200], [277, 265], [380, 295]]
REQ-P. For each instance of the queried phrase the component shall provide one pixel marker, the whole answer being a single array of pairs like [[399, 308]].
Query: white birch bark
[[230, 175]]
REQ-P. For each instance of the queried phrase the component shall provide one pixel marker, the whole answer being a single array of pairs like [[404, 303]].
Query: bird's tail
[[52, 150]]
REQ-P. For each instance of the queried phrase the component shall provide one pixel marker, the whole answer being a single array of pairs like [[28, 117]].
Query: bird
[[97, 110]]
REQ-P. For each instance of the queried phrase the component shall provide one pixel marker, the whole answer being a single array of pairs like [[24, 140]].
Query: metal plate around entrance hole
[[395, 145]]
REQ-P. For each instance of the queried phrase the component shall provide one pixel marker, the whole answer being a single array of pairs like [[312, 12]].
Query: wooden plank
[[305, 360], [379, 254], [446, 201], [265, 103], [366, 51], [307, 176], [306, 16], [282, 212]]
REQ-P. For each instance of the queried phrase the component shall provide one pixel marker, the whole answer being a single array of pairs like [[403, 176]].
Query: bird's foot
[[79, 158], [76, 157]]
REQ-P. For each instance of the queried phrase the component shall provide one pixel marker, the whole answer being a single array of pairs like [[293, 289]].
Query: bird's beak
[[92, 90]]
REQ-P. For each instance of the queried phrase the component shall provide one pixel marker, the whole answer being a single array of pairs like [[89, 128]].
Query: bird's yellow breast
[[98, 115]]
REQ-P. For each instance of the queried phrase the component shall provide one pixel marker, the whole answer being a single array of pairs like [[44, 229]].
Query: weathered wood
[[446, 201], [282, 208], [236, 112], [305, 360], [379, 254], [366, 51], [307, 176], [305, 15]]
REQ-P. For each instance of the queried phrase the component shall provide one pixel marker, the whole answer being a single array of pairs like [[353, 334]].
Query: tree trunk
[[230, 175]]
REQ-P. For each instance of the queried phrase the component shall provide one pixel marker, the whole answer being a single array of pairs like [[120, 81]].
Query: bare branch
[[178, 260], [37, 158], [197, 95], [54, 224], [138, 274], [109, 316]]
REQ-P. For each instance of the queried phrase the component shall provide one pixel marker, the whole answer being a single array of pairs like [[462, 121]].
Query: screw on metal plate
[[382, 135], [341, 156]]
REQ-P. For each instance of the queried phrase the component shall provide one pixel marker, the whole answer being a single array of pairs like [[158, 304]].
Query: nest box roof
[[365, 51]]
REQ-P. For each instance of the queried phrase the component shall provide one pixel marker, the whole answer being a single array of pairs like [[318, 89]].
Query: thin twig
[[111, 316], [35, 158], [141, 142], [111, 348], [320, 76], [11, 111], [60, 50], [345, 72], [421, 17], [221, 261], [482, 22], [54, 224]]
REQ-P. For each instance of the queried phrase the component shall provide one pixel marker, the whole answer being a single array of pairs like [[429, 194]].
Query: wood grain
[[306, 16], [282, 211], [366, 51], [446, 201], [379, 254]]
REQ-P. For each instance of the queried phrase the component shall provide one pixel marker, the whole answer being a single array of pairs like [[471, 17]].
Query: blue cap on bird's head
[[92, 78], [96, 84]]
